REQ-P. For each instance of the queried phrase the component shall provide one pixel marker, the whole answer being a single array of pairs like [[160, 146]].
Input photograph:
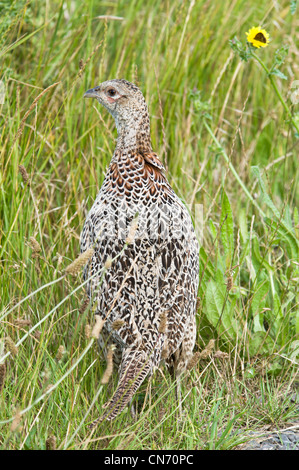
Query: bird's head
[[120, 97], [127, 105]]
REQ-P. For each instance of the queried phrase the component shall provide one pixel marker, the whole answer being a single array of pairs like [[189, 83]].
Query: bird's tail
[[135, 366]]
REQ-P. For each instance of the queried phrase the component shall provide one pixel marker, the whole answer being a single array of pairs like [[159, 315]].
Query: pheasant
[[150, 288]]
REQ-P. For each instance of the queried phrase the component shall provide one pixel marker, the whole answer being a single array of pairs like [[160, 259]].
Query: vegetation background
[[211, 113]]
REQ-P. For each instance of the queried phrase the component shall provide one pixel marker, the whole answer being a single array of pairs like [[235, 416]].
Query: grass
[[229, 145]]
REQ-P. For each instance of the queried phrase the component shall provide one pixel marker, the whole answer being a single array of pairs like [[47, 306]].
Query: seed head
[[109, 369], [132, 231], [87, 331], [208, 350], [97, 327], [60, 353], [117, 324], [165, 353], [16, 422], [221, 354], [34, 245], [37, 334], [230, 283], [51, 443], [108, 263], [79, 262], [23, 322], [11, 346], [193, 361], [163, 322], [2, 375], [84, 306], [24, 173]]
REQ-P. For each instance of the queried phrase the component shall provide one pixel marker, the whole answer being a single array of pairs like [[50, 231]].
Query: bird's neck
[[133, 134]]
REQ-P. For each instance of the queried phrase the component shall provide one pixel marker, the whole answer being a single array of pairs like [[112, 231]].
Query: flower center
[[260, 37]]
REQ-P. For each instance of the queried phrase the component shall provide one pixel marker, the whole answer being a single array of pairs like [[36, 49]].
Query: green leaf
[[213, 229], [243, 224], [260, 343], [279, 324], [22, 40], [258, 303], [281, 54], [238, 48], [285, 235], [227, 229], [250, 373], [244, 253], [205, 263], [274, 367], [294, 350], [296, 215], [250, 268], [258, 260], [219, 311], [293, 7], [266, 198], [283, 226], [278, 73]]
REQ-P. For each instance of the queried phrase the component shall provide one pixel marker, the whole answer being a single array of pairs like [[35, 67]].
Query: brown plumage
[[151, 285]]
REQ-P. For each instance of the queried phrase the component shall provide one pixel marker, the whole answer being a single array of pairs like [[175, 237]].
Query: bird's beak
[[90, 93]]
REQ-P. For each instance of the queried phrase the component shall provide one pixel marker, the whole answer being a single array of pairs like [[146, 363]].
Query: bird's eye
[[111, 92]]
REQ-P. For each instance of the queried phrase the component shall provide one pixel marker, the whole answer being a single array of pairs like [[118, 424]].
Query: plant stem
[[273, 83], [233, 169]]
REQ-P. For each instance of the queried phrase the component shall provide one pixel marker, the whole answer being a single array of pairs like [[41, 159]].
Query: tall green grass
[[51, 53]]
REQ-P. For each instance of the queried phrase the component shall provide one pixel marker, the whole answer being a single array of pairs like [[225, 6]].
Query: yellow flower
[[258, 37]]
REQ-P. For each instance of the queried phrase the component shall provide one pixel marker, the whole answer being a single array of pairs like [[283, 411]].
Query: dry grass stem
[[110, 17], [123, 445], [82, 64], [164, 150]]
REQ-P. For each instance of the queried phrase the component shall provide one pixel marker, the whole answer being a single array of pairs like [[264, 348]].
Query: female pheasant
[[151, 286]]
